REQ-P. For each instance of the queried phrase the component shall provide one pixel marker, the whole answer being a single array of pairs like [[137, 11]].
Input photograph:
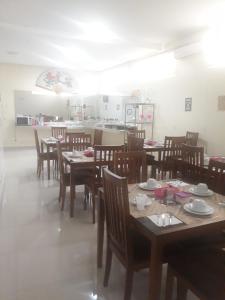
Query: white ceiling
[[96, 34]]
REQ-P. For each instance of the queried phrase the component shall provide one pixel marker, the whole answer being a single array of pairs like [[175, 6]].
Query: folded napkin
[[150, 143], [88, 153], [164, 220]]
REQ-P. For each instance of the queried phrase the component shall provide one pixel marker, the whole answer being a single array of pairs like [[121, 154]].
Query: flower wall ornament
[[54, 80]]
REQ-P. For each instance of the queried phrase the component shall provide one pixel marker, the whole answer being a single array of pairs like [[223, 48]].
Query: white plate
[[188, 209], [195, 192], [207, 208], [148, 201], [144, 186]]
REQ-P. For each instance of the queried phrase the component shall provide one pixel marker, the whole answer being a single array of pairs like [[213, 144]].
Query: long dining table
[[192, 226]]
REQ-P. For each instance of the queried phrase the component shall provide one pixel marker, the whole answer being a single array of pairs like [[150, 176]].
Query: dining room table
[[186, 226]]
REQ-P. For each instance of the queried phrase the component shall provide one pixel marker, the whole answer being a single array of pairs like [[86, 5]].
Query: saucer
[[188, 208], [144, 186], [194, 191]]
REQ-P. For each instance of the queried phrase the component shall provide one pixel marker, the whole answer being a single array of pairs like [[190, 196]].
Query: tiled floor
[[44, 254]]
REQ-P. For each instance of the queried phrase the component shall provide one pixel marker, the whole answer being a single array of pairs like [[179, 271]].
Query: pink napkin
[[150, 143], [162, 192], [89, 153]]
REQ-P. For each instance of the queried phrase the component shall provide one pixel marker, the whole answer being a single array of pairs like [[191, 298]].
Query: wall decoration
[[55, 80], [188, 104], [221, 103]]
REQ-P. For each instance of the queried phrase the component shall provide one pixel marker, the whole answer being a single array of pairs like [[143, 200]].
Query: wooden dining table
[[192, 226]]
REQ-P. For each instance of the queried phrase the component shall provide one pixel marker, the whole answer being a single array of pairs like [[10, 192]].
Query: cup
[[199, 205], [89, 148], [202, 188], [140, 202], [151, 183]]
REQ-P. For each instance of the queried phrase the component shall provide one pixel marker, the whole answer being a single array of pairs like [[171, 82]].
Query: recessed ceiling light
[[9, 52]]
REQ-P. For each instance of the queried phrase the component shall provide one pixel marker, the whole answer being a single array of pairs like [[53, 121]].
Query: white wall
[[19, 77], [189, 77]]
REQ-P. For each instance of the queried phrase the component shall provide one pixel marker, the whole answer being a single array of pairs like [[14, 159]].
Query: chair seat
[[203, 271], [52, 155], [83, 177]]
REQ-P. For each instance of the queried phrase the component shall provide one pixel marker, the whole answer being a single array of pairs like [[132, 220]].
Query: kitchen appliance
[[23, 120]]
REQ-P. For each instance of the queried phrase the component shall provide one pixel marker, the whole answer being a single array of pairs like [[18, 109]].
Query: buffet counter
[[24, 135]]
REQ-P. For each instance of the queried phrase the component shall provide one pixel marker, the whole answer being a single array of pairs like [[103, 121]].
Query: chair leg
[[181, 290], [85, 197], [93, 208], [107, 265], [169, 284], [128, 284], [60, 191], [63, 195], [72, 201]]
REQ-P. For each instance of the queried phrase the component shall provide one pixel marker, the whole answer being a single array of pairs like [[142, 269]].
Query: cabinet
[[140, 115]]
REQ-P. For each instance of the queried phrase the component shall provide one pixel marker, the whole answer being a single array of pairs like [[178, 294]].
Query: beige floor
[[44, 254]]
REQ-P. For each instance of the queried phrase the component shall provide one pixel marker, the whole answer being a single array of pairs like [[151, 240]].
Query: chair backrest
[[196, 174], [216, 165], [104, 154], [139, 134], [78, 141], [131, 165], [117, 211], [134, 143], [98, 133], [57, 131], [192, 138], [178, 141], [37, 142], [193, 155], [168, 141]]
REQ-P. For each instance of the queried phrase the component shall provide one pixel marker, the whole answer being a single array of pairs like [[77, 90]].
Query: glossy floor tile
[[44, 254]]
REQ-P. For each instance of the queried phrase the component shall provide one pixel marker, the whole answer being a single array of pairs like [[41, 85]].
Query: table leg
[[155, 272], [100, 232], [72, 193], [48, 162]]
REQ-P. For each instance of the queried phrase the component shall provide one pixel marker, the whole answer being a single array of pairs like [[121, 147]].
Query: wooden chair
[[134, 143], [98, 133], [131, 165], [57, 131], [78, 141], [193, 155], [80, 176], [202, 272], [103, 157], [139, 134], [192, 138], [178, 141], [130, 248], [216, 165], [42, 156]]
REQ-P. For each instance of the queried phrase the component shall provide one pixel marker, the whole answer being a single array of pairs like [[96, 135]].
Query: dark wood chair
[[80, 176], [98, 133], [130, 248], [193, 155], [103, 157], [192, 138], [216, 165], [42, 156], [134, 143], [78, 141], [59, 131], [140, 134], [131, 165], [202, 272]]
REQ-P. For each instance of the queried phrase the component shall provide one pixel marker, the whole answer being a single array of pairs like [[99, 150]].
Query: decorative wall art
[[55, 80], [188, 104]]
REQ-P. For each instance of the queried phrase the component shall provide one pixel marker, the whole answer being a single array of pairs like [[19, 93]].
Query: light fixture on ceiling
[[12, 52]]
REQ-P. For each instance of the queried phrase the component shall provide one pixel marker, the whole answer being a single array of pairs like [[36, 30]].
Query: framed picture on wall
[[188, 104]]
